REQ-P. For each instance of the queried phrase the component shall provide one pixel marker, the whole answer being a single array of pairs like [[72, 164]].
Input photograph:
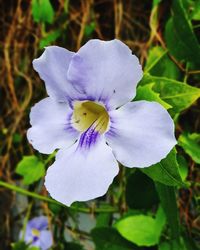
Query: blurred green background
[[165, 35]]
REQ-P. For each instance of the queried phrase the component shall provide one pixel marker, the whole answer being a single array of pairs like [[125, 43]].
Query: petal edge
[[141, 134], [81, 175]]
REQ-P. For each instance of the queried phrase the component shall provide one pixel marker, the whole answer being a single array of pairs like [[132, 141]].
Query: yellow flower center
[[35, 232], [87, 114]]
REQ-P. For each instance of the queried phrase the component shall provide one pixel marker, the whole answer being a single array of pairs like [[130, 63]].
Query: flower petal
[[82, 172], [52, 67], [46, 240], [105, 71], [141, 134], [51, 126], [38, 223], [36, 243], [28, 237]]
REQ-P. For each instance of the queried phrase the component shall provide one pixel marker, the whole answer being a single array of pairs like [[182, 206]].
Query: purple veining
[[68, 126], [88, 138], [112, 130], [35, 238]]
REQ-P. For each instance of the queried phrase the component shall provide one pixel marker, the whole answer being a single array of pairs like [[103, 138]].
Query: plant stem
[[26, 220], [51, 156], [49, 200]]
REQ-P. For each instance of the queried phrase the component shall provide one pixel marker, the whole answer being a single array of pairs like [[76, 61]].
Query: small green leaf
[[42, 11], [160, 220], [17, 138], [49, 38], [142, 230], [33, 248], [159, 64], [155, 54], [196, 11], [191, 145], [166, 171], [106, 238], [177, 94], [89, 28], [183, 166], [156, 2], [147, 93], [31, 168], [20, 245]]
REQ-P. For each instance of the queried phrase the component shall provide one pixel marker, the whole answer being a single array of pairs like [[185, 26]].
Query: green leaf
[[166, 171], [17, 138], [160, 220], [172, 245], [42, 11], [49, 38], [183, 166], [109, 239], [180, 38], [177, 94], [191, 145], [140, 191], [89, 29], [168, 202], [142, 230], [73, 246], [33, 248], [164, 246], [103, 219], [196, 11], [155, 54], [192, 7], [20, 245], [56, 209], [147, 93], [31, 168], [156, 2], [159, 64]]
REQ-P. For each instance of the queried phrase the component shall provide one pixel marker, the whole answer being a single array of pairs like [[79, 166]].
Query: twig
[[49, 200]]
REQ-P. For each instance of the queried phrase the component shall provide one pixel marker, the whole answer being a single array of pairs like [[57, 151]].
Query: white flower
[[89, 117]]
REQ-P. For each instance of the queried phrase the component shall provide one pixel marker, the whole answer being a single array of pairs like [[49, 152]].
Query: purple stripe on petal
[[35, 238], [88, 138], [111, 132], [68, 125], [112, 129]]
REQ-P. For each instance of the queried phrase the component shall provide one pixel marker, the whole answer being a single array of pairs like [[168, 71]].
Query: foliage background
[[165, 36]]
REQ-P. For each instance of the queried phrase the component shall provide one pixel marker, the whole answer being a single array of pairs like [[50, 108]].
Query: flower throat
[[90, 114]]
